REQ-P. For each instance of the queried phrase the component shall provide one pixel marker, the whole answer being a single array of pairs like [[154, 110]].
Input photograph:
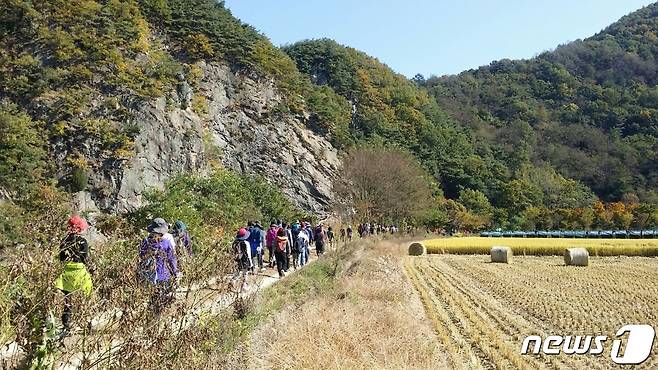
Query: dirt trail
[[201, 300]]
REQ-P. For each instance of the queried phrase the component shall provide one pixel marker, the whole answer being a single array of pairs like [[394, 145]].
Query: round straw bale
[[417, 249], [576, 257], [501, 254]]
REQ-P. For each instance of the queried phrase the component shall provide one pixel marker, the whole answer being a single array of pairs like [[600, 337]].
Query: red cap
[[242, 233], [77, 223]]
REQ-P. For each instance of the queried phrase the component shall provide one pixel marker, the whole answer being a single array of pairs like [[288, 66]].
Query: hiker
[[302, 247], [309, 232], [289, 246], [182, 237], [280, 248], [183, 240], [242, 258], [73, 253], [270, 239], [295, 231], [256, 242], [349, 233], [330, 237], [320, 239], [158, 265]]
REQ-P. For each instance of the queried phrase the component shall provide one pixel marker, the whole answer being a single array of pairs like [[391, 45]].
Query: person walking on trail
[[242, 258], [349, 233], [289, 246], [309, 233], [183, 240], [158, 265], [302, 247], [320, 239], [280, 248], [295, 231], [73, 253], [256, 242], [330, 237], [160, 222], [270, 239], [182, 237]]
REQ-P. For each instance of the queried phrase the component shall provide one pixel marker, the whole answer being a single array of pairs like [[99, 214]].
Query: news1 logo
[[636, 347]]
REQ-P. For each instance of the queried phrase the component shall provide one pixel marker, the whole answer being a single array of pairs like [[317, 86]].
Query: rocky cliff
[[236, 115]]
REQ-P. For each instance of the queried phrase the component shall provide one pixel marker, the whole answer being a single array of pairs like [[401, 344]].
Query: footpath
[[203, 300]]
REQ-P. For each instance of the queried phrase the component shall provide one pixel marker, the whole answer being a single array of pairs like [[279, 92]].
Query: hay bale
[[417, 249], [501, 254], [576, 257]]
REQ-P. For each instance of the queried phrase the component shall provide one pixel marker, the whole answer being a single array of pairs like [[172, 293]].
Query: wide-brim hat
[[158, 225], [243, 234]]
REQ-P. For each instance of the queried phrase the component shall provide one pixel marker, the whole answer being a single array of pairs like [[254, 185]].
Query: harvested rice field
[[483, 311]]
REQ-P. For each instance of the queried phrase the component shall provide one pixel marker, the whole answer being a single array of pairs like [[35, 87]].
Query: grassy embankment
[[353, 308]]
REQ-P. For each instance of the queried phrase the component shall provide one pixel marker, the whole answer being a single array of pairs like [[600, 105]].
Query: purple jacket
[[160, 250], [186, 241]]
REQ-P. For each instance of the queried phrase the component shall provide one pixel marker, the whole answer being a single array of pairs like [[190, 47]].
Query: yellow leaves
[[142, 44], [78, 160], [200, 105], [199, 46], [194, 75], [59, 128], [571, 107]]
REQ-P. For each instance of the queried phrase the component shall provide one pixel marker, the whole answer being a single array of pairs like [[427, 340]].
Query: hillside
[[588, 108], [109, 99], [527, 137]]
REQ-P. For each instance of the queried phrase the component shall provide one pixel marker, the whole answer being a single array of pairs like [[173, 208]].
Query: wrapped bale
[[576, 257], [417, 249], [501, 254]]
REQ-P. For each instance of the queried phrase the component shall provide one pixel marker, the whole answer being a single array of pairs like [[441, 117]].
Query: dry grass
[[370, 320], [482, 311], [544, 246]]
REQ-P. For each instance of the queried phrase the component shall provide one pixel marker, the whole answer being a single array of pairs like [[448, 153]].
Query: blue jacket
[[256, 237]]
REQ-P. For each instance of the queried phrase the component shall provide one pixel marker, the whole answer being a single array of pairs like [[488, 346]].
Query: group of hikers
[[283, 242], [158, 262], [168, 247]]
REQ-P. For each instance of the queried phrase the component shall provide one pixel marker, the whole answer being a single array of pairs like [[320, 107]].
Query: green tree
[[22, 152]]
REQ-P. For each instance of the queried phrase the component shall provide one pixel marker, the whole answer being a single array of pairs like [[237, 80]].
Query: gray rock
[[242, 122]]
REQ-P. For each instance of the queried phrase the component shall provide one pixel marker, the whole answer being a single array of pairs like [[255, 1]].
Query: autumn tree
[[385, 185]]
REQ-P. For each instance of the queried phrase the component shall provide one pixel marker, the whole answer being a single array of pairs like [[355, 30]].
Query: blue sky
[[434, 37]]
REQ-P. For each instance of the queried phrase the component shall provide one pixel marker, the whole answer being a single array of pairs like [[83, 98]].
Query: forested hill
[[110, 98], [588, 108]]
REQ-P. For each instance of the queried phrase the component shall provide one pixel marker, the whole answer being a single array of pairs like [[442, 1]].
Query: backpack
[[271, 235], [148, 265], [319, 235], [148, 269], [301, 244], [240, 251]]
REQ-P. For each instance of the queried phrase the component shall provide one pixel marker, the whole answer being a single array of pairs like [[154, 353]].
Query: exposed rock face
[[255, 139], [169, 142], [242, 121]]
